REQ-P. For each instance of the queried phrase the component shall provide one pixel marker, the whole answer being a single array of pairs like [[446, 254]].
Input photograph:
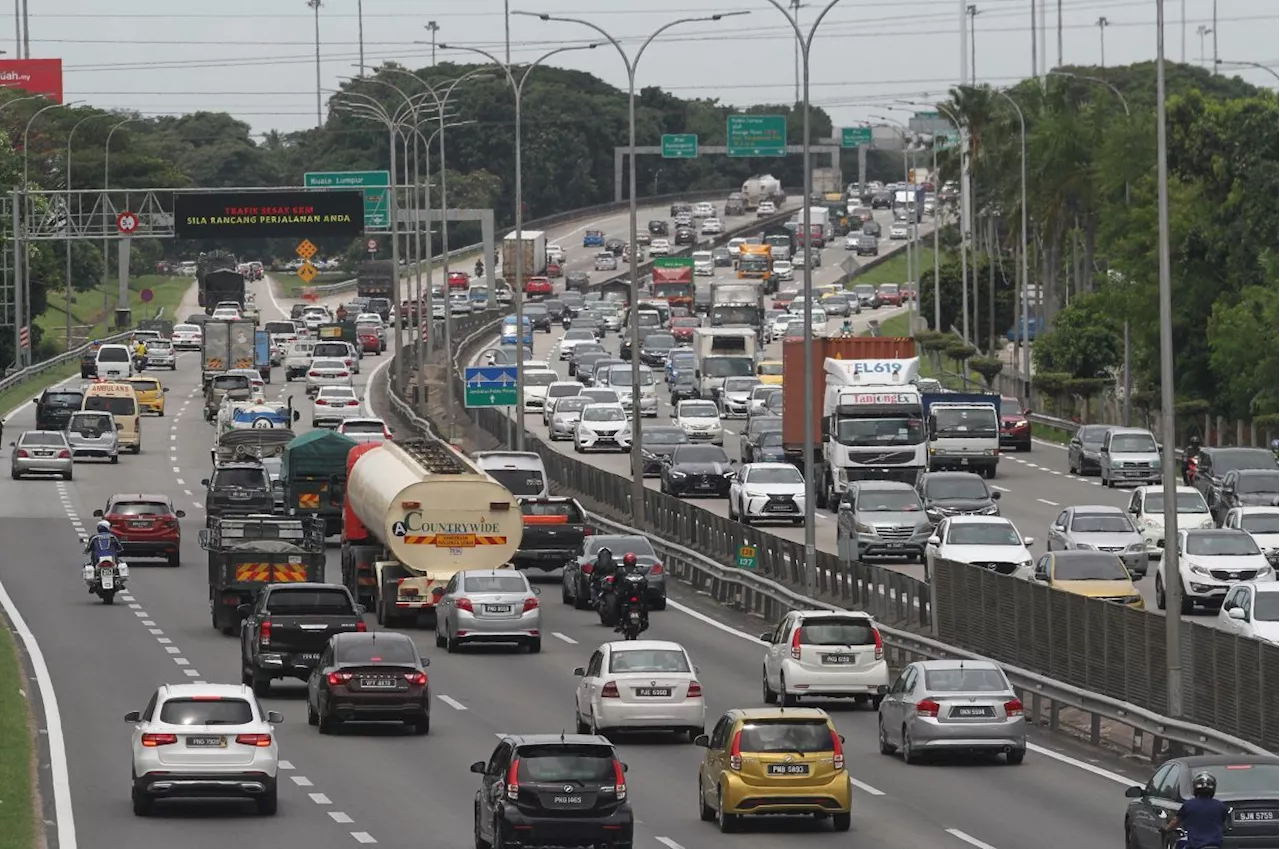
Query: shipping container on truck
[[433, 513], [912, 199], [262, 354], [375, 278], [859, 348], [673, 280], [227, 345], [534, 251]]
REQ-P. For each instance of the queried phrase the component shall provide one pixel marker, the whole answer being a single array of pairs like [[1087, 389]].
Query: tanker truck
[[423, 513]]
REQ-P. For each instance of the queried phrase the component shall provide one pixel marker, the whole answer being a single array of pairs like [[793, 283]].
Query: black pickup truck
[[285, 632], [554, 531]]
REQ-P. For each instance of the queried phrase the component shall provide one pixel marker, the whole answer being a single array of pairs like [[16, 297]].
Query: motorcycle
[[105, 577], [632, 620], [606, 604], [139, 363]]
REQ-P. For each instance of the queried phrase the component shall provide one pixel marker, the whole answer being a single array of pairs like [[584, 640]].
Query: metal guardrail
[[36, 369]]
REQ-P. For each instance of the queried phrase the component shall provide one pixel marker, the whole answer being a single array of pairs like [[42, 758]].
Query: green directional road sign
[[377, 209], [748, 557], [926, 115], [490, 386], [855, 136], [756, 135], [680, 146], [950, 138], [673, 262]]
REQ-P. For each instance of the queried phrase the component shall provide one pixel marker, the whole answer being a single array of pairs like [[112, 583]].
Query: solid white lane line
[[564, 638], [866, 788], [972, 841], [452, 702], [339, 816]]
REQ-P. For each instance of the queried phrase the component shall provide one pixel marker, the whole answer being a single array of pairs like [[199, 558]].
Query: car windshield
[[983, 533], [771, 439], [494, 584], [602, 414], [113, 355], [659, 341], [386, 648], [140, 508], [787, 735], [212, 710], [960, 680], [665, 436], [560, 763], [520, 481], [65, 400], [899, 430], [1245, 779], [621, 376], [368, 426], [962, 422], [195, 328], [342, 393], [1188, 502], [740, 384], [1134, 443], [1010, 407], [1261, 523], [701, 454], [116, 405], [727, 367], [540, 378], [1084, 566], [701, 410], [579, 334], [837, 631], [789, 474], [874, 501], [620, 545], [957, 487], [145, 385], [1266, 482], [571, 404], [310, 601], [1222, 545], [889, 289], [563, 390], [1101, 523], [1230, 459], [648, 661], [328, 365], [37, 438]]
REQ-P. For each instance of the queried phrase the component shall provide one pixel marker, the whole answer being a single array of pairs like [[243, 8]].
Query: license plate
[[44, 453], [307, 658], [240, 496], [142, 524], [780, 508], [964, 461], [497, 608], [377, 684], [1254, 816], [206, 742], [838, 659], [965, 712], [788, 769], [893, 545], [108, 581], [653, 692], [706, 486]]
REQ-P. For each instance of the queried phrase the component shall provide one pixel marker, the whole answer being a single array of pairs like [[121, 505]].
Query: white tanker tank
[[434, 514]]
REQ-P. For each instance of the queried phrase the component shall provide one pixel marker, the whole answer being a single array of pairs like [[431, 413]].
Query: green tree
[[1084, 342]]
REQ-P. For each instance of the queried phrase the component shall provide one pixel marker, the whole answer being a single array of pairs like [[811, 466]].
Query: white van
[[115, 362], [521, 472]]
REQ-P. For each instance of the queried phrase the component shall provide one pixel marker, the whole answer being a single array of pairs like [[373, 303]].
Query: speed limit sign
[[127, 223], [371, 246]]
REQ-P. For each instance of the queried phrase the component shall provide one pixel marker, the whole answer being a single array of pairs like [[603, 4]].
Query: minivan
[[121, 402], [114, 361], [55, 406], [1129, 455], [521, 472], [93, 434]]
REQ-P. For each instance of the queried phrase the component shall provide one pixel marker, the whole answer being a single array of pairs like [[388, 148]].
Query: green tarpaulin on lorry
[[316, 452]]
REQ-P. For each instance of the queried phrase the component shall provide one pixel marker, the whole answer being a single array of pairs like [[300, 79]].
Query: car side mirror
[[1028, 541], [244, 609], [1134, 792], [1134, 510], [204, 482], [296, 415], [766, 637], [882, 690], [1238, 614], [166, 389], [1059, 527], [97, 514], [580, 671], [181, 514], [275, 717], [702, 741], [934, 540], [477, 767], [133, 716]]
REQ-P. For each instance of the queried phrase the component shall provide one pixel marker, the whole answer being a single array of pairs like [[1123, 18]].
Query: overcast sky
[[177, 56]]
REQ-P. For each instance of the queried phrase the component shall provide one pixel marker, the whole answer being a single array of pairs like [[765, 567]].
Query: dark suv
[[55, 406], [956, 494], [238, 489], [553, 790], [1213, 464]]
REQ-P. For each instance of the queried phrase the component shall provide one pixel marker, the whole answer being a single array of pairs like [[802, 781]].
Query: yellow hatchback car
[[774, 761], [1092, 574], [769, 372], [150, 394]]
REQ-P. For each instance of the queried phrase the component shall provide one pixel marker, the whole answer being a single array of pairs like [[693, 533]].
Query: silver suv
[[93, 434], [881, 519], [1129, 455]]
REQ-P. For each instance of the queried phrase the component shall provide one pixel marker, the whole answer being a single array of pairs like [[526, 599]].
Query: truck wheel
[[261, 686]]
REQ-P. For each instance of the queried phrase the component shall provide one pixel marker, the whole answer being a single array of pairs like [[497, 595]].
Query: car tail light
[[353, 403], [795, 645], [735, 751], [153, 740], [416, 678], [927, 707], [530, 604], [465, 604], [656, 569], [1013, 708], [361, 627], [610, 691], [344, 374], [320, 402], [313, 374], [588, 568], [64, 454], [22, 452], [875, 632], [261, 741], [264, 632], [513, 783], [619, 780], [695, 691], [837, 751], [586, 532], [337, 679]]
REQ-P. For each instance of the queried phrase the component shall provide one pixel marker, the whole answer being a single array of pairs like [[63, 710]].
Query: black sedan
[[697, 470], [956, 494], [577, 281], [538, 317], [556, 309], [584, 365], [721, 257], [1246, 783], [615, 246], [656, 444], [685, 236], [655, 347], [369, 677], [751, 438], [659, 228], [580, 350]]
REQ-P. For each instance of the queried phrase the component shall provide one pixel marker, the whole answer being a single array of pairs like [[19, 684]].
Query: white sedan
[[851, 240], [990, 540], [898, 232], [226, 314], [366, 430], [198, 740], [766, 208], [700, 421], [783, 271], [571, 338], [639, 685], [334, 405], [187, 337], [767, 492], [536, 384], [327, 372], [660, 247], [712, 227], [602, 426]]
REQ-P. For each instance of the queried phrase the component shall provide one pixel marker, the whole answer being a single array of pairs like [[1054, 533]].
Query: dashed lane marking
[[866, 788], [301, 781], [1047, 501], [564, 638], [320, 799], [967, 838], [452, 702]]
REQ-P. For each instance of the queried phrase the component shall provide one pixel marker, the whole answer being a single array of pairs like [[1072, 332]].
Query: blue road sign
[[490, 386]]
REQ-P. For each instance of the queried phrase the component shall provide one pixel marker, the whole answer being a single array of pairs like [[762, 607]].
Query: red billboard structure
[[34, 76]]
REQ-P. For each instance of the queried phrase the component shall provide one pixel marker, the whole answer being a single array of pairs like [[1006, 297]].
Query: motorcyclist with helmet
[[480, 268], [101, 544], [1204, 818], [1190, 455], [604, 567], [139, 353], [630, 565]]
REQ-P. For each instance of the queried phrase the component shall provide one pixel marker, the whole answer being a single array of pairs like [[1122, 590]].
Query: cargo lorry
[[375, 278], [720, 353], [868, 419], [673, 280], [227, 345], [964, 432], [737, 304], [218, 278], [755, 262], [763, 187], [781, 240], [313, 475], [533, 248], [430, 513], [262, 354]]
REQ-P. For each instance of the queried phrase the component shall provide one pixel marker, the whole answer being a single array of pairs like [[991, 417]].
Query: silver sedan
[[565, 414], [954, 706], [1099, 527], [45, 452], [489, 606]]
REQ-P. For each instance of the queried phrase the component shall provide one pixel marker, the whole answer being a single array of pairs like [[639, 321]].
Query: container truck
[[533, 248], [912, 201], [227, 345], [262, 353], [673, 280], [755, 262], [964, 431], [762, 187], [218, 278], [722, 352], [375, 278], [868, 421], [735, 304], [430, 513]]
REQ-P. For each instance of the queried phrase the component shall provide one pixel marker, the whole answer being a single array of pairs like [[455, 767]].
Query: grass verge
[[16, 396], [17, 747], [894, 270], [87, 309], [1050, 434]]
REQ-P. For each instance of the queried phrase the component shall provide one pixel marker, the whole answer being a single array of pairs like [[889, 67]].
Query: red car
[[146, 525], [1015, 428], [369, 341], [459, 280], [682, 328], [554, 270], [538, 286], [890, 295]]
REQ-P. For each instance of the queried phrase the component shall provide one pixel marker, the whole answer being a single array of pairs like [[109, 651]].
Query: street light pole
[[22, 267], [1026, 296], [106, 222], [67, 247], [1172, 574], [315, 7], [1218, 63], [964, 263], [630, 63], [517, 86]]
